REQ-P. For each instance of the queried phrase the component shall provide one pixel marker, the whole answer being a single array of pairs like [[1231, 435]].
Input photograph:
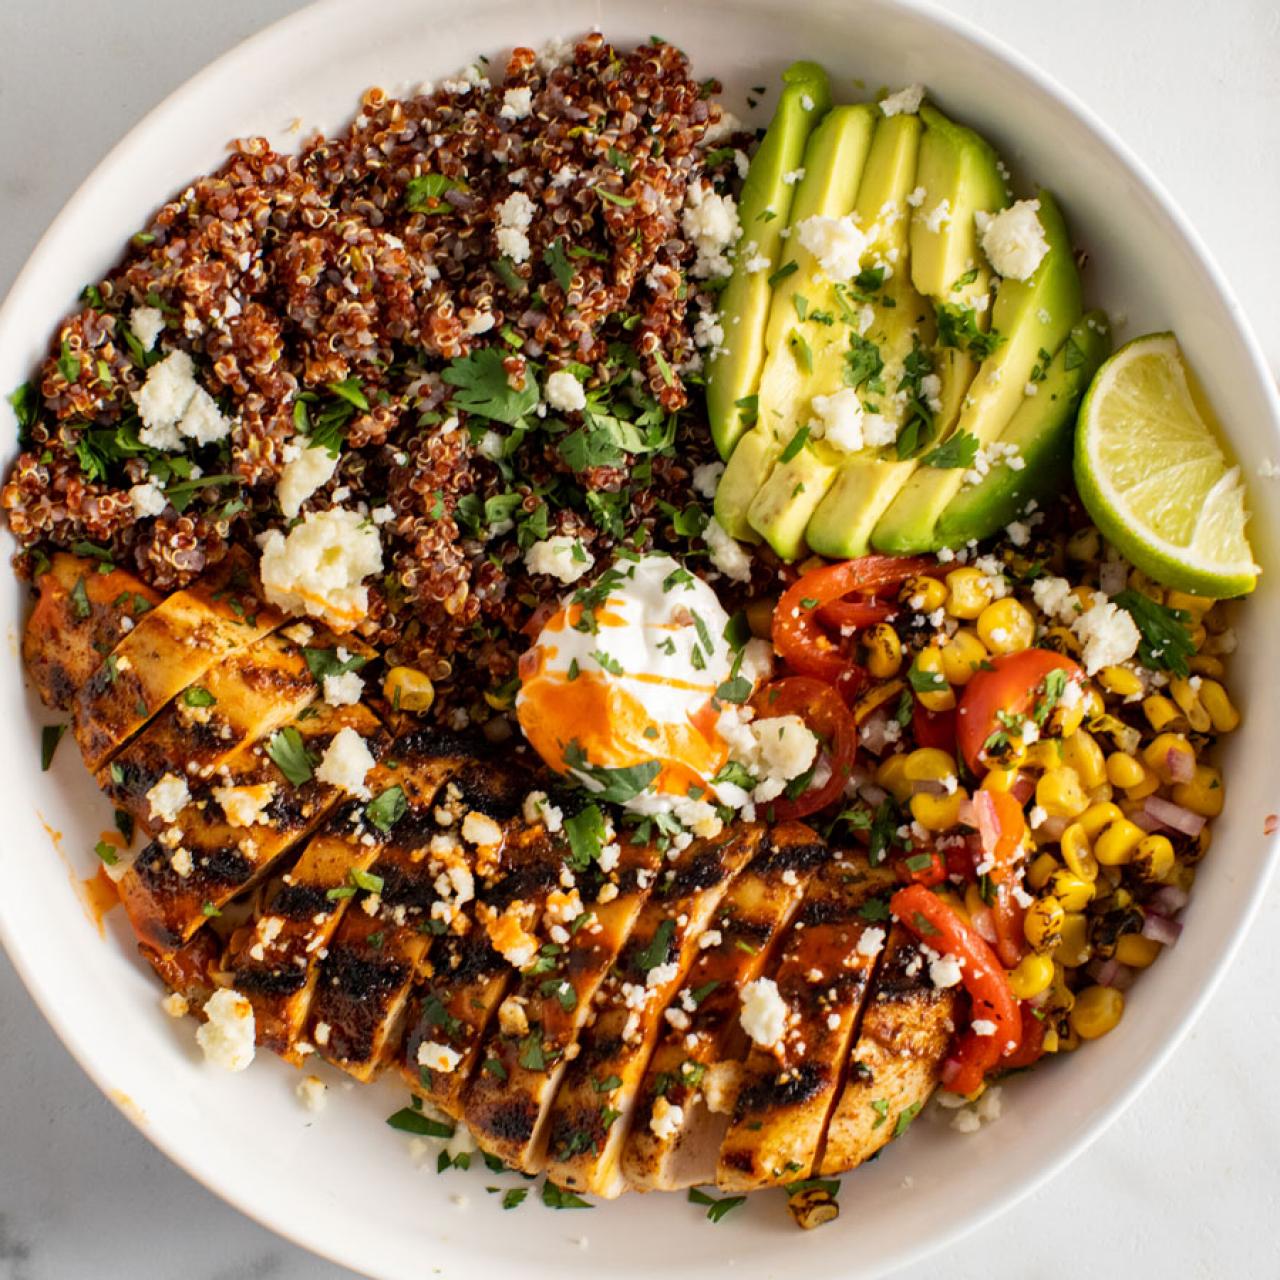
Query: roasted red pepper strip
[[938, 926], [797, 632], [1002, 829]]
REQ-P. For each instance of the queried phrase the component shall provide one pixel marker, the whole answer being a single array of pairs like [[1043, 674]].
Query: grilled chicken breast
[[582, 1012]]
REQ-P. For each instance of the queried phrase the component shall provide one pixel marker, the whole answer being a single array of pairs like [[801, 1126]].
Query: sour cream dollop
[[624, 675]]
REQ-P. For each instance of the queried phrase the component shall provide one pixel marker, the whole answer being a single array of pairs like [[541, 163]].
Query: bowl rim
[[966, 30]]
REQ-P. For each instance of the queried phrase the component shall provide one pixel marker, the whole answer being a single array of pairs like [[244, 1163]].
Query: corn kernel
[[1156, 754], [1073, 891], [923, 593], [974, 902], [1222, 712], [760, 617], [884, 651], [1153, 859], [952, 899], [1005, 626], [408, 689], [1082, 753], [1045, 754], [1136, 951], [1033, 975], [937, 813], [1068, 1036], [1097, 816], [1051, 1043], [1060, 794], [1188, 701], [1138, 581], [1196, 606], [929, 661], [1074, 949], [1205, 665], [1043, 923], [968, 592], [998, 779], [1085, 544], [1097, 1010], [1203, 794], [876, 697], [1060, 997], [1148, 786], [929, 764], [1125, 771], [892, 776], [1161, 713], [1117, 844], [1120, 681], [1077, 852], [962, 655], [1041, 870]]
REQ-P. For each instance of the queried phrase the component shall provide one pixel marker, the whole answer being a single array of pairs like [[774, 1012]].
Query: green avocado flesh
[[833, 164], [1041, 429], [763, 211], [1029, 316]]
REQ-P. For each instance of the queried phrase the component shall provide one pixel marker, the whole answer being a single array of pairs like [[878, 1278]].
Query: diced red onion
[[1112, 576], [873, 795], [1053, 827], [1168, 900], [967, 815], [1161, 929], [1103, 972], [1146, 822], [1024, 787], [984, 808], [1173, 815], [1182, 764], [928, 786], [983, 923]]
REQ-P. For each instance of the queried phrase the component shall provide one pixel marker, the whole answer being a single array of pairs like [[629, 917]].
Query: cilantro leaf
[[291, 756], [862, 362], [1166, 641], [325, 662], [483, 390], [387, 809], [425, 194], [958, 450]]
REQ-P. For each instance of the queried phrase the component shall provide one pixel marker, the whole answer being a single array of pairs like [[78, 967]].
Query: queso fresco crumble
[[433, 365]]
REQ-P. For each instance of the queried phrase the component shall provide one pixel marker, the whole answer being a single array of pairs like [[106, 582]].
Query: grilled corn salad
[[683, 648]]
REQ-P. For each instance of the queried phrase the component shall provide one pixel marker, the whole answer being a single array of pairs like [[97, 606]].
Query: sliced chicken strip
[[897, 1058], [470, 973], [245, 697], [427, 869], [170, 649], [693, 1068], [275, 960], [168, 899], [789, 1087], [526, 1055], [81, 615], [591, 1114]]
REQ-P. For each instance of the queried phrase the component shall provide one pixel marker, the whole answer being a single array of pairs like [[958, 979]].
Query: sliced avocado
[[958, 175], [781, 510], [1041, 430], [1028, 316], [833, 165], [763, 210]]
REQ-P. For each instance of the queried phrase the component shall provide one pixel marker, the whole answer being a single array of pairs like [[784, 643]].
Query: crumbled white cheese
[[438, 1057], [666, 1119], [560, 556], [906, 102], [719, 130], [727, 554], [515, 214], [147, 500], [537, 808], [944, 971], [172, 404], [243, 806], [312, 1092], [839, 420], [707, 477], [982, 1027], [917, 197], [319, 568], [1108, 634], [871, 943], [773, 750], [168, 798], [564, 392], [517, 104], [228, 1035], [175, 1004], [1014, 241], [710, 222], [346, 762], [147, 324], [1054, 598], [480, 829], [763, 1015], [837, 243], [792, 176], [343, 690]]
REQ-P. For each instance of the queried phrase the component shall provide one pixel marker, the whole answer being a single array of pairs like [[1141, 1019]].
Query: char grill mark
[[787, 1091]]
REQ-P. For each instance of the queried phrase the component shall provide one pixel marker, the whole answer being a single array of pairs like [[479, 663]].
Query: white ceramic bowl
[[343, 1184]]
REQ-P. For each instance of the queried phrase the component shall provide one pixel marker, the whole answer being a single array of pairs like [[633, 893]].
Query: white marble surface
[[1185, 1185]]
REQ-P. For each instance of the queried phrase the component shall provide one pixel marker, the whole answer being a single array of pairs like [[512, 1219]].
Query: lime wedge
[[1154, 477]]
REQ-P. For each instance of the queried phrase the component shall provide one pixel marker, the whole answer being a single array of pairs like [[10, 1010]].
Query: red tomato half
[[1009, 686], [823, 711], [934, 728]]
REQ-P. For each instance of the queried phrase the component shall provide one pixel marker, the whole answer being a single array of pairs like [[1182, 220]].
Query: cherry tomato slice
[[797, 633], [1002, 828], [934, 728], [857, 613], [823, 711], [1009, 686]]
